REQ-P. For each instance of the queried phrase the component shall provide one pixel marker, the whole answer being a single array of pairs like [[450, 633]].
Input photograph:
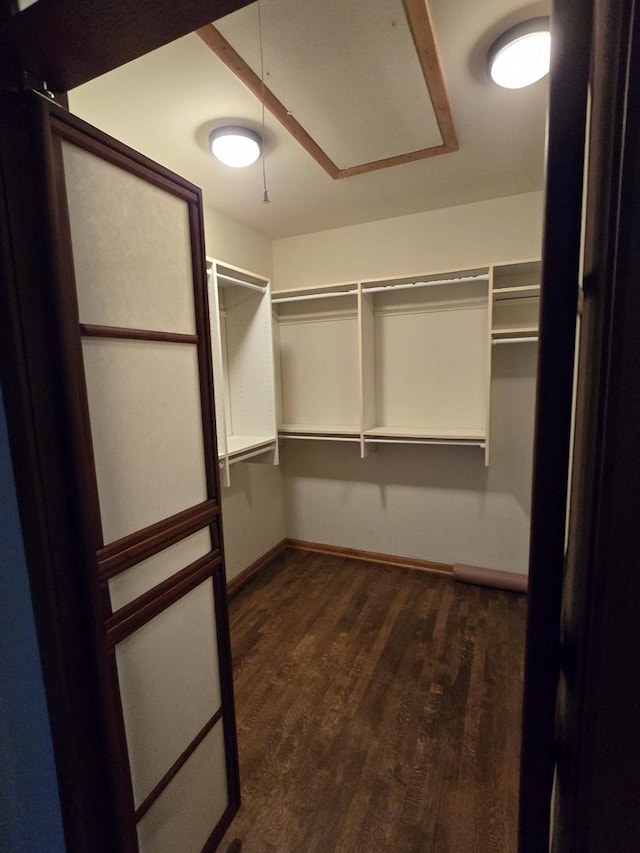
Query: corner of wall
[[253, 505], [236, 244]]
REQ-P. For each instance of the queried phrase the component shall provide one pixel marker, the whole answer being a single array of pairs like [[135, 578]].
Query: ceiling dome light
[[520, 56], [235, 146]]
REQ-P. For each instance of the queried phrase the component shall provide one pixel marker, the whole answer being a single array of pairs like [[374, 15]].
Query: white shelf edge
[[237, 445], [457, 442], [514, 332], [526, 339], [217, 262], [406, 433], [229, 281], [278, 300], [319, 429], [251, 454], [318, 437], [521, 291], [383, 288]]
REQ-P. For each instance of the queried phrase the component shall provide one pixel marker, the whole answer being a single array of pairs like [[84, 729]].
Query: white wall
[[236, 244], [501, 229], [430, 502], [252, 507]]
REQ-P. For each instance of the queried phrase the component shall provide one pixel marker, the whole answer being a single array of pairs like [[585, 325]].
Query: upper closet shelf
[[225, 280], [322, 291], [385, 287], [307, 297]]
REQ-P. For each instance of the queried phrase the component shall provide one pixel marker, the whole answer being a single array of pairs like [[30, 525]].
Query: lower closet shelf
[[320, 429], [240, 445], [412, 435], [319, 432], [386, 435]]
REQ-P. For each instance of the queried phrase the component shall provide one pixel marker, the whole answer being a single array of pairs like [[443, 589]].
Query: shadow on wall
[[513, 398], [442, 467], [420, 466], [252, 514], [434, 502]]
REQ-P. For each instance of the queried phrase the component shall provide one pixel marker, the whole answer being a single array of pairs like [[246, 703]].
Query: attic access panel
[[357, 82]]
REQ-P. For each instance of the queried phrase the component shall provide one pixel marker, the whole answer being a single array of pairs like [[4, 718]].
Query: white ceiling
[[353, 107], [165, 104]]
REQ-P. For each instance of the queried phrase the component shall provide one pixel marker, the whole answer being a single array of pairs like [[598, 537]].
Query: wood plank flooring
[[378, 710]]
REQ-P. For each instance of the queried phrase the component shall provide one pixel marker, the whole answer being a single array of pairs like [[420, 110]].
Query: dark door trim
[[68, 42], [30, 371], [571, 37], [599, 702]]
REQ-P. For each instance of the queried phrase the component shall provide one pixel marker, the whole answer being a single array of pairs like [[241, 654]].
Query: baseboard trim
[[235, 584], [491, 577], [372, 557], [476, 575]]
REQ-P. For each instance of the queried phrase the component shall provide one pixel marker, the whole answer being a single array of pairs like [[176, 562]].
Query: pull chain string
[[265, 194]]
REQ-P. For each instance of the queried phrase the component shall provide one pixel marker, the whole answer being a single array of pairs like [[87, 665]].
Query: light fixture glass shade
[[521, 56], [235, 146]]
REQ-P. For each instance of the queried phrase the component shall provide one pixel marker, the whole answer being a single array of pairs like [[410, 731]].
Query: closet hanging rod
[[509, 296], [462, 280], [303, 298], [450, 441], [239, 281], [520, 340], [317, 437], [250, 454]]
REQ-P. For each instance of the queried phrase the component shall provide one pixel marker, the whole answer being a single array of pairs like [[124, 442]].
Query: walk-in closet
[[374, 378], [322, 649]]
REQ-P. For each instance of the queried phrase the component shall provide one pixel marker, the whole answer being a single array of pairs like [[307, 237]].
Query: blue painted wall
[[30, 819]]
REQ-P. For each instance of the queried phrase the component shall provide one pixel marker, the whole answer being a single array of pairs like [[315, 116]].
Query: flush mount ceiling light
[[520, 56], [235, 146]]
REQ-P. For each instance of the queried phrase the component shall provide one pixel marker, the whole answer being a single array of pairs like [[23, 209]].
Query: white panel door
[[131, 319]]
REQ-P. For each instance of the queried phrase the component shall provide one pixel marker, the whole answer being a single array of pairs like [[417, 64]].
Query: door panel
[[131, 247], [131, 326], [181, 817], [146, 429], [169, 685], [131, 583]]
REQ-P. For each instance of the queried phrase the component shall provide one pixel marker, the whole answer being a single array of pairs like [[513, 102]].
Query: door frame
[[598, 730], [561, 264]]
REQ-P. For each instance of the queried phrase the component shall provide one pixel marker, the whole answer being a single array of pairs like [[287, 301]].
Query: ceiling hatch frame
[[420, 26]]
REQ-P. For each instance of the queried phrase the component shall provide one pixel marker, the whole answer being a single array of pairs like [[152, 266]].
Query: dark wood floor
[[378, 710]]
